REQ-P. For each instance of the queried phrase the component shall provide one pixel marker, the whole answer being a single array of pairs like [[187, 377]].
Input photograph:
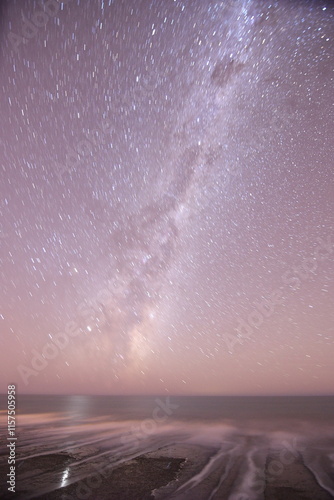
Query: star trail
[[167, 196]]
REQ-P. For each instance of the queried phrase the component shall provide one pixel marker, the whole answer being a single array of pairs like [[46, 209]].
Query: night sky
[[167, 197]]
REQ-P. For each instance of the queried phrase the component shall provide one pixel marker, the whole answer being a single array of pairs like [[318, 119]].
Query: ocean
[[240, 448]]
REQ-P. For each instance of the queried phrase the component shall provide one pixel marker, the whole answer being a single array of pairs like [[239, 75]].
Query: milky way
[[167, 194]]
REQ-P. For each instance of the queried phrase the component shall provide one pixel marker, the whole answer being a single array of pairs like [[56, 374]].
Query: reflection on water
[[64, 479]]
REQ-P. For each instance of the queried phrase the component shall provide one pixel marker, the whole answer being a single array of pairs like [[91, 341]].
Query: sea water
[[109, 430]]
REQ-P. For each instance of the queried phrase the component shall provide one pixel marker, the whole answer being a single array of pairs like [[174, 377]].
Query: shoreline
[[179, 471]]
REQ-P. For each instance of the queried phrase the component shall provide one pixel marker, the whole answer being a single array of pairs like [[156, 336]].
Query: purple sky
[[167, 197]]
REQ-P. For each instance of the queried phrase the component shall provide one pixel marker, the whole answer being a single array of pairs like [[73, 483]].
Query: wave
[[221, 460]]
